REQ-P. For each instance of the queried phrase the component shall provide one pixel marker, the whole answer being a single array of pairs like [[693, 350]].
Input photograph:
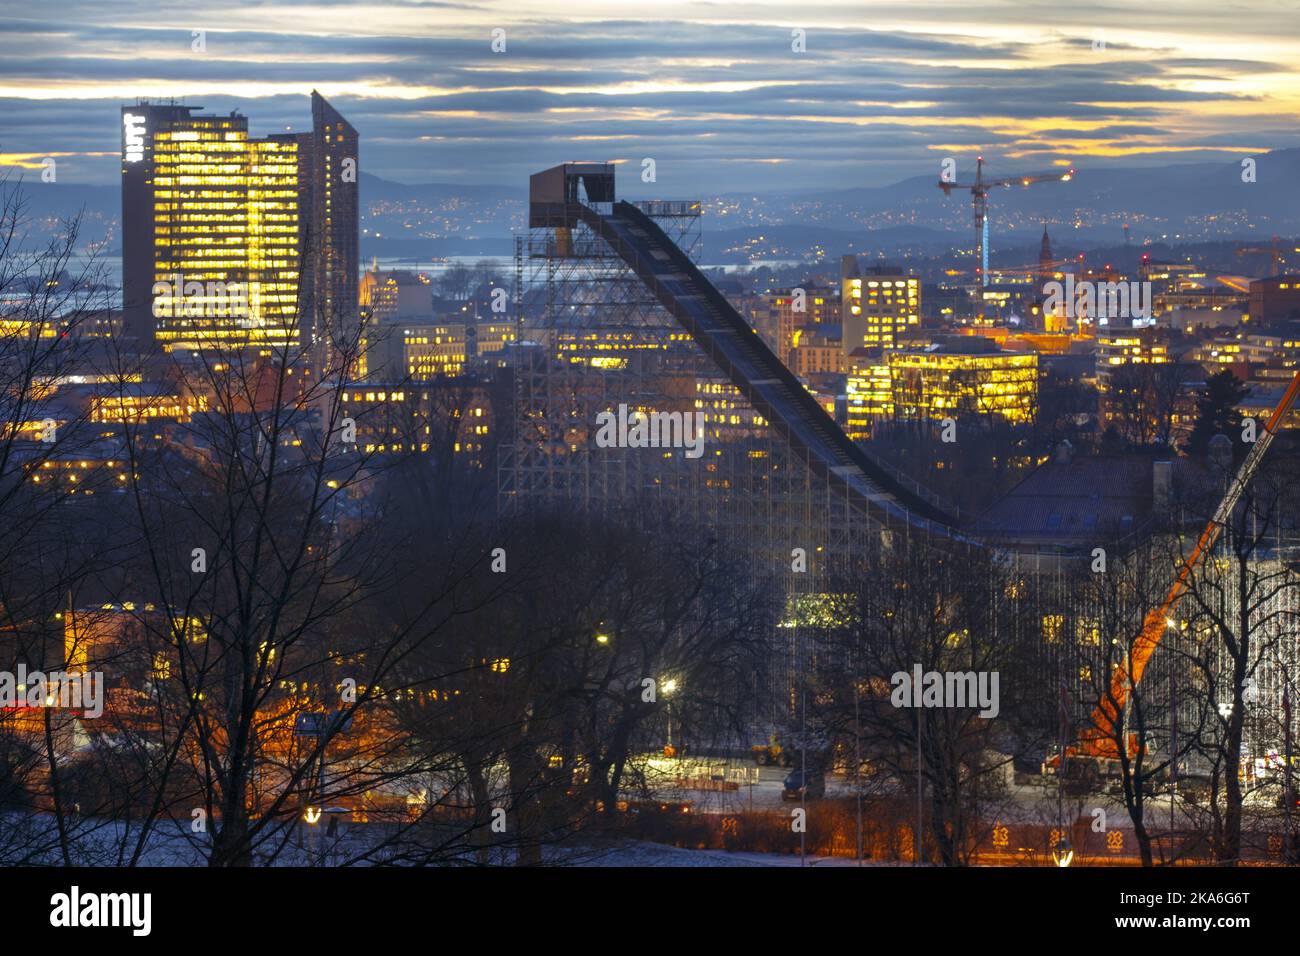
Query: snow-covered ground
[[640, 854]]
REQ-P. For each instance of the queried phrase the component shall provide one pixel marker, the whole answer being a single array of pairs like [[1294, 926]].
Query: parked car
[[804, 785]]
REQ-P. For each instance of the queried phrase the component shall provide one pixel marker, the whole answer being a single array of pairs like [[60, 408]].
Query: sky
[[714, 92]]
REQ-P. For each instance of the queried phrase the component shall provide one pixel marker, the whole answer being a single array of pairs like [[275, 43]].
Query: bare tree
[[1241, 608], [1133, 728], [933, 610]]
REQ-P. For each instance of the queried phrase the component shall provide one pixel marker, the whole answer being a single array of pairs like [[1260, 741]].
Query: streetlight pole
[[920, 787], [1289, 848], [1173, 753], [803, 762], [670, 687], [857, 763]]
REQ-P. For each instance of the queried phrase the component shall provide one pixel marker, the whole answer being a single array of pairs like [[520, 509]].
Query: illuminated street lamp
[[1062, 853], [669, 686]]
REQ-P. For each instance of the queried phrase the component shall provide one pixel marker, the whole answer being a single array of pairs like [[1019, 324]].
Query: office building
[[230, 241], [878, 305], [331, 219], [396, 296], [1275, 299], [964, 377]]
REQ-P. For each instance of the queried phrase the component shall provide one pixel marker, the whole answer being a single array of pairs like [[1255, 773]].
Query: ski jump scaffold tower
[[622, 278]]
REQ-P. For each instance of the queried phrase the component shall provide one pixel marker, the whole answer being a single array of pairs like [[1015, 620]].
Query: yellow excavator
[[771, 754]]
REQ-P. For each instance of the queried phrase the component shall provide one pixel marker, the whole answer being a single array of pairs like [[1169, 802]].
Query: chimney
[[1161, 478]]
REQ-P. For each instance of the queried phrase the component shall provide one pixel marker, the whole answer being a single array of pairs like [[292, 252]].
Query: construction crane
[[979, 191], [1098, 743], [1031, 268], [1274, 251]]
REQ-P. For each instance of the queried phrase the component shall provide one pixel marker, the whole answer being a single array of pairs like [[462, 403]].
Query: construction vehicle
[[772, 753], [979, 191], [1097, 755], [792, 749]]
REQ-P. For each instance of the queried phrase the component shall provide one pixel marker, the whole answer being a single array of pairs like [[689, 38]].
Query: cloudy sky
[[713, 92]]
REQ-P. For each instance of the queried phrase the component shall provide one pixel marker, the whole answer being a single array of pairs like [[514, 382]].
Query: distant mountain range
[[1187, 202]]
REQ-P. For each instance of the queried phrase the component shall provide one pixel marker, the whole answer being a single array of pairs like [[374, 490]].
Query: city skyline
[[530, 436], [718, 98]]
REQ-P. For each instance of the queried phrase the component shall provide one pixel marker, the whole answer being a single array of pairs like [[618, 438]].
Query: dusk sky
[[711, 91]]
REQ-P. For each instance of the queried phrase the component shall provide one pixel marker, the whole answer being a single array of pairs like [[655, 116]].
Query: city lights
[[438, 440]]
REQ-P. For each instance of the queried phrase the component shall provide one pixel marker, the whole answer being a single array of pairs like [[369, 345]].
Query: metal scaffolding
[[594, 336]]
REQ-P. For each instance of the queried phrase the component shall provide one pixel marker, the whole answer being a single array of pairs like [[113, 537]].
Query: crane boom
[[979, 191], [1271, 250], [1099, 738]]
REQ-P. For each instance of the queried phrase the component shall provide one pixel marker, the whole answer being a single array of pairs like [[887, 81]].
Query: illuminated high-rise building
[[210, 228], [229, 241], [877, 306]]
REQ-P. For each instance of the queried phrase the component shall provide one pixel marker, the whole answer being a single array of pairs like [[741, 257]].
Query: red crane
[[1098, 742], [979, 191]]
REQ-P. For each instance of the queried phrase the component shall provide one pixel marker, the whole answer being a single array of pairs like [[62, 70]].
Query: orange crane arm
[[1099, 738]]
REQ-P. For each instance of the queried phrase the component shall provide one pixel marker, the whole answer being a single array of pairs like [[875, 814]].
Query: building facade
[[231, 241], [878, 305]]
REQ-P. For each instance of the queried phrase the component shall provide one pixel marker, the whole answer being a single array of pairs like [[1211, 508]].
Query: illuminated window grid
[[226, 210], [887, 307], [429, 353], [870, 396], [938, 386], [395, 421]]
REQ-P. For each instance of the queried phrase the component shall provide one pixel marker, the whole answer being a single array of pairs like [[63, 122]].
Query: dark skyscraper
[[331, 261]]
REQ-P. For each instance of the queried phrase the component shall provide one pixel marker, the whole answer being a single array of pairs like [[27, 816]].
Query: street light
[[669, 686], [1063, 853]]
